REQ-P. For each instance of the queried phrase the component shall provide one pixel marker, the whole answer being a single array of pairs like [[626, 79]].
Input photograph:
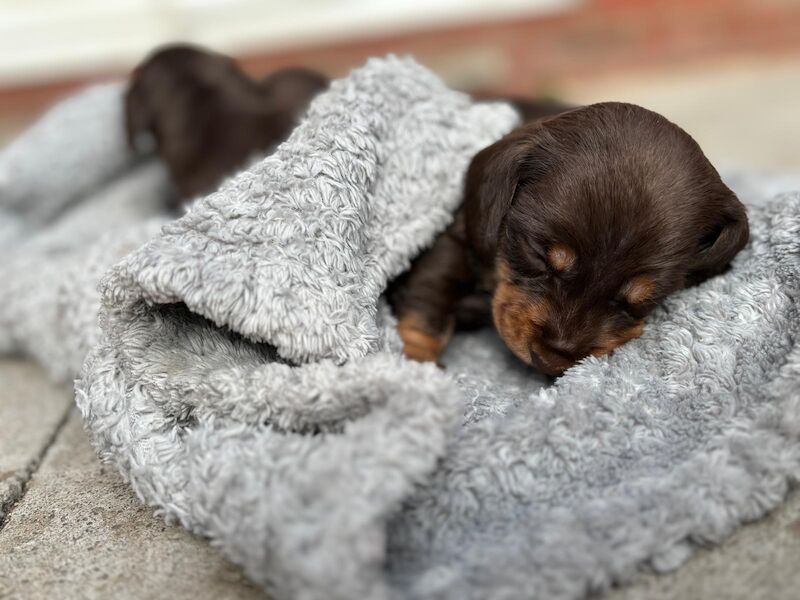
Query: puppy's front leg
[[421, 341], [425, 298]]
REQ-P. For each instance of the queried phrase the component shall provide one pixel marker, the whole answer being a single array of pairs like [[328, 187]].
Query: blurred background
[[728, 71]]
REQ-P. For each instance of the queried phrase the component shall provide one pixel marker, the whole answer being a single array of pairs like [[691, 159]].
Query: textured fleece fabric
[[246, 377], [77, 146]]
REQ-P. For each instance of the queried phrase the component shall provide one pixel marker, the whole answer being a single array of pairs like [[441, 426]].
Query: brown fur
[[420, 344], [207, 117], [515, 316], [585, 220]]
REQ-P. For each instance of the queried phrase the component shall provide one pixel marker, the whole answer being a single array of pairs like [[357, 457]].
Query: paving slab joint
[[16, 482]]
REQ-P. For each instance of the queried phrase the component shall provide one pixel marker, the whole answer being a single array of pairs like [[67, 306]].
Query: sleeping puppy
[[207, 117], [573, 228]]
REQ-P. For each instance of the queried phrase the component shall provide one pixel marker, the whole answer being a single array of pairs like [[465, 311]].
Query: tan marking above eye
[[639, 289], [561, 257]]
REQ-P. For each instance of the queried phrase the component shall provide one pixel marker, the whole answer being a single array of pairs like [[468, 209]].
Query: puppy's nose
[[566, 347]]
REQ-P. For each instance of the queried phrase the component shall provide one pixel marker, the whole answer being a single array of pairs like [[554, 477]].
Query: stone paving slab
[[31, 412], [79, 532]]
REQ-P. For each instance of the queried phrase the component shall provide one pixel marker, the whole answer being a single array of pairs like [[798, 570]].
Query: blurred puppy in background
[[208, 118]]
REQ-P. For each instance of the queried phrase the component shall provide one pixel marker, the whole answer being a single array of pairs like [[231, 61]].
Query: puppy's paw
[[419, 343]]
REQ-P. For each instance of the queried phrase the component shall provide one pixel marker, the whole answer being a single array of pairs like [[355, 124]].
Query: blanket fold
[[245, 375]]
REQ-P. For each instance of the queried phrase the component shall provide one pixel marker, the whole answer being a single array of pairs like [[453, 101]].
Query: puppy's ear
[[720, 240], [491, 184], [138, 114]]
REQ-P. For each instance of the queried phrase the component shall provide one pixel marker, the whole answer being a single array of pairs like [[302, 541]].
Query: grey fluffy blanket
[[246, 377]]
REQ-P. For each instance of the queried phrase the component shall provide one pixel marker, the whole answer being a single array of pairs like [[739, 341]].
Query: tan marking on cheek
[[608, 344], [561, 257], [517, 316], [639, 289], [502, 273], [418, 343]]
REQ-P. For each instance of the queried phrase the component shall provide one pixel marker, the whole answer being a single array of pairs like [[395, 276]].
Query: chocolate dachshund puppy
[[572, 229]]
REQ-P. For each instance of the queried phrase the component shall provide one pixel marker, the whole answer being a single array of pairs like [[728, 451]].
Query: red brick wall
[[600, 36]]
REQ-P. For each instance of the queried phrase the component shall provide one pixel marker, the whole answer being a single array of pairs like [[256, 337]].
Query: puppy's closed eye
[[526, 257], [639, 290]]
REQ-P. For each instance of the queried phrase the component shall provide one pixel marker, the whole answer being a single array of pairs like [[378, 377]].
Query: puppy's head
[[207, 117], [589, 219]]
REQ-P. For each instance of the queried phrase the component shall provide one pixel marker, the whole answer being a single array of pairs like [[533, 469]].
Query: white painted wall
[[41, 39]]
